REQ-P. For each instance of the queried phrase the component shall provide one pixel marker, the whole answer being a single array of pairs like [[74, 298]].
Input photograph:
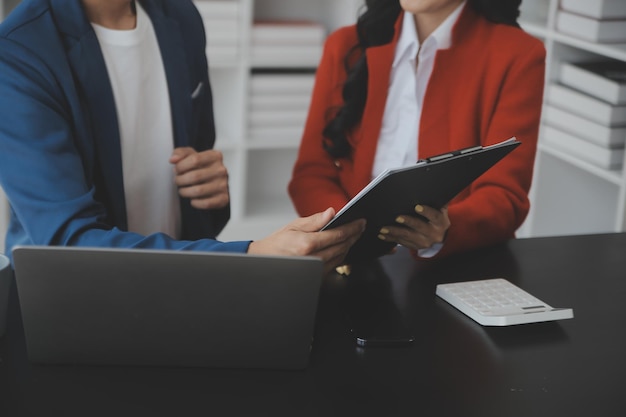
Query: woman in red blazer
[[482, 82]]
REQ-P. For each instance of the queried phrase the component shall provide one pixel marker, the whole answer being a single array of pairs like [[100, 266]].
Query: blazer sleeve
[[315, 183], [41, 170], [497, 202]]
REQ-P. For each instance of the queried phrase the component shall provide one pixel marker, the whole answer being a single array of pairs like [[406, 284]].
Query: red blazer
[[487, 87]]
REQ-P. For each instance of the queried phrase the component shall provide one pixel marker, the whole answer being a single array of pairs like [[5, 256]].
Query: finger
[[412, 222], [334, 244], [203, 190], [406, 237], [302, 234], [180, 153], [436, 218], [345, 235], [216, 173], [428, 213], [314, 222], [212, 202], [198, 160], [413, 232], [330, 245]]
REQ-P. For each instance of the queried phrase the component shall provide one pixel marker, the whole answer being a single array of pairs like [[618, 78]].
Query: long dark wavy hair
[[375, 27]]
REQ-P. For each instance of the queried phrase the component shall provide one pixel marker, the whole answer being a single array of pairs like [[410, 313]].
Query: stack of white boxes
[[286, 44], [600, 21], [222, 23], [279, 105], [284, 55], [585, 113]]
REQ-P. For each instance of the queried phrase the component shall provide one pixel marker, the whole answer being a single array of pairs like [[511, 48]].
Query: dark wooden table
[[455, 367]]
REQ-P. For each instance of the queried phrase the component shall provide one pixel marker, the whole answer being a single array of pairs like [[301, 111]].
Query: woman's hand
[[422, 231]]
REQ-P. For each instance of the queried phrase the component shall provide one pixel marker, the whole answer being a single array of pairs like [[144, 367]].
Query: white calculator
[[498, 302]]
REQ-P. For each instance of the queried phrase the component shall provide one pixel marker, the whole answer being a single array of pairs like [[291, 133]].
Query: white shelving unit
[[260, 169], [568, 195]]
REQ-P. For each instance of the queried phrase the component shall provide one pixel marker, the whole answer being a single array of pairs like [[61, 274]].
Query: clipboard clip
[[451, 154]]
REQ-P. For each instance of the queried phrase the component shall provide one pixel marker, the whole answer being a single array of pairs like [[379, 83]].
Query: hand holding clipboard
[[431, 182]]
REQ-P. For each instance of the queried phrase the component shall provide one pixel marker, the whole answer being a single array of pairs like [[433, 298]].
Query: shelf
[[268, 173], [615, 177], [261, 107], [259, 144], [331, 13], [223, 64], [572, 201], [611, 50], [565, 188], [228, 144]]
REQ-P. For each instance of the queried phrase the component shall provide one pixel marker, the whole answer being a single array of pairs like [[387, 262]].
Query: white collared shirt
[[399, 135]]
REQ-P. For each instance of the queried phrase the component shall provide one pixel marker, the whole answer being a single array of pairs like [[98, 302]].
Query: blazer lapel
[[443, 87], [436, 116], [175, 64], [93, 85]]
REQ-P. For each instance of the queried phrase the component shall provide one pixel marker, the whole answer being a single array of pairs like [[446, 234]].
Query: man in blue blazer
[[65, 146]]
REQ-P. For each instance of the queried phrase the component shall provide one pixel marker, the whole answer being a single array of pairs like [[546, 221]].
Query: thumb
[[316, 221]]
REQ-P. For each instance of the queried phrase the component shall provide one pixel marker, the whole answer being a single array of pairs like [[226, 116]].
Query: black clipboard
[[431, 182]]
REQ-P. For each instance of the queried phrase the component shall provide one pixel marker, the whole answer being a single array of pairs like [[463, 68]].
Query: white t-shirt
[[133, 61]]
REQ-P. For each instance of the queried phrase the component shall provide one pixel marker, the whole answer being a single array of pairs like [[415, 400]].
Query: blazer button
[[337, 164]]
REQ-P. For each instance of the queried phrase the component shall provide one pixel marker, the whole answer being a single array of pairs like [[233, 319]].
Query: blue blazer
[[60, 160]]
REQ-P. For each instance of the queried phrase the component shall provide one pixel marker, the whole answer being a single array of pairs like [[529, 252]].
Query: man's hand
[[303, 238], [201, 177]]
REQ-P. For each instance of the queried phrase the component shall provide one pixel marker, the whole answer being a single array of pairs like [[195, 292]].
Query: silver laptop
[[166, 308]]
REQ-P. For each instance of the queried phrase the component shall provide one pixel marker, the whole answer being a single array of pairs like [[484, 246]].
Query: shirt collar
[[408, 45]]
